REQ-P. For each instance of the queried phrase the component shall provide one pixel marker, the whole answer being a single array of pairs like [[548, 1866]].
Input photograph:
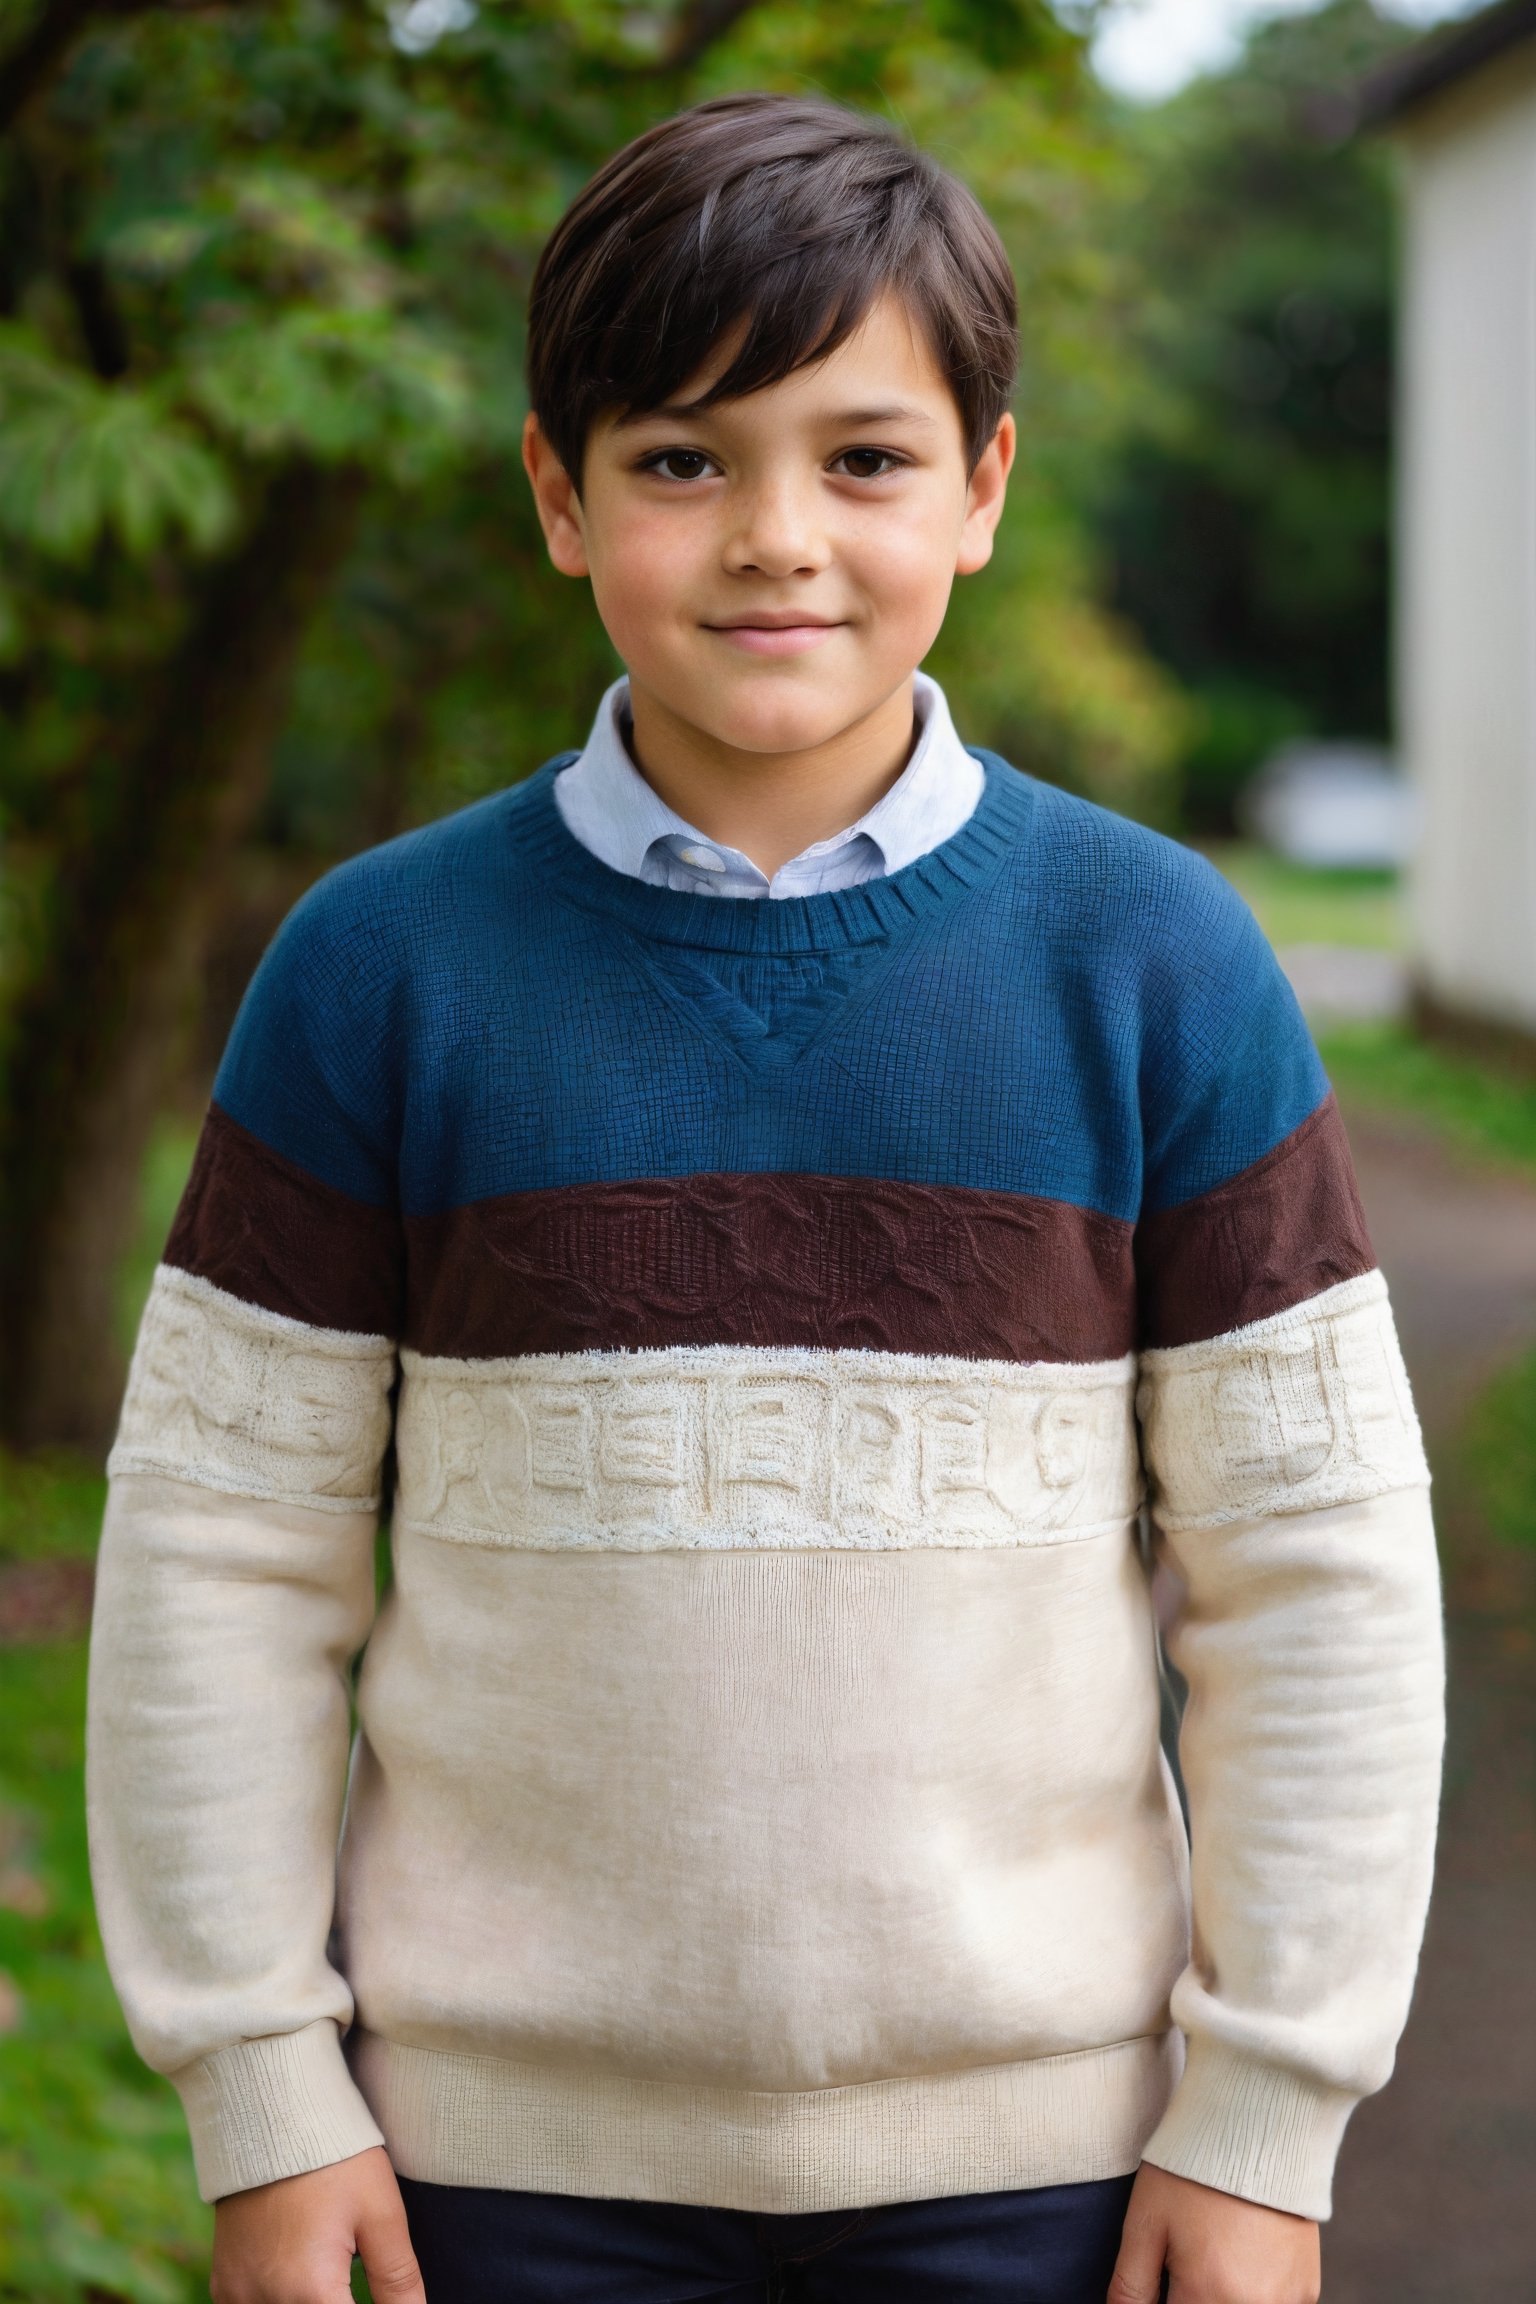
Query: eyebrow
[[896, 413], [690, 412]]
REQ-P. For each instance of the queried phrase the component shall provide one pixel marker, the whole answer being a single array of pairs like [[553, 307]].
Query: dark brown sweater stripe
[[268, 1232], [845, 1263], [1281, 1232]]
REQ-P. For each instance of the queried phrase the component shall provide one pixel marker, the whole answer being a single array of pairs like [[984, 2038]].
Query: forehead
[[885, 369]]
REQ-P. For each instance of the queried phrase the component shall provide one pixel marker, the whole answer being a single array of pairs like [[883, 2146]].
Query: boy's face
[[772, 569]]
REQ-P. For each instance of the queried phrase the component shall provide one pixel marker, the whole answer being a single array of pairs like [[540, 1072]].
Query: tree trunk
[[96, 1026]]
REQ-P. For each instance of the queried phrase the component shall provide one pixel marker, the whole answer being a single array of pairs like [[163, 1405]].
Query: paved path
[[1436, 2198]]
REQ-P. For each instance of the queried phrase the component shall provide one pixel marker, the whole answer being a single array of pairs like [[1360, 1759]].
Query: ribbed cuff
[[273, 2107], [1254, 2130]]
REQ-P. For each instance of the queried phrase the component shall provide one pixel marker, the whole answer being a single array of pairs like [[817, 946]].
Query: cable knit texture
[[737, 1450], [232, 1397], [1292, 1414], [773, 1318]]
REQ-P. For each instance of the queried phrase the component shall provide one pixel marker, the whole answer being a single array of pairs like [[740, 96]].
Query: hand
[[293, 2242], [1217, 2249]]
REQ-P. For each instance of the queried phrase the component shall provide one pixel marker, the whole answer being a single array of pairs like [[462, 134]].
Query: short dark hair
[[786, 215]]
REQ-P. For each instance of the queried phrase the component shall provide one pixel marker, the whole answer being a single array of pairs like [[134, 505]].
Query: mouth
[[775, 632]]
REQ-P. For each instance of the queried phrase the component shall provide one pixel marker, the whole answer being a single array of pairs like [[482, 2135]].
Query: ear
[[985, 497], [559, 506]]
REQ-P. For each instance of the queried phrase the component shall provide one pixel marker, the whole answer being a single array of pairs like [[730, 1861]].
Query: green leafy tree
[[1246, 508]]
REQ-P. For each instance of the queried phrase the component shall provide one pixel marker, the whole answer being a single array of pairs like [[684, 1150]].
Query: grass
[[1483, 1110], [97, 2199], [1296, 905], [49, 1510]]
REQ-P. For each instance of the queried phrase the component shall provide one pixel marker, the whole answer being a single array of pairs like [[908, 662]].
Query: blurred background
[[271, 590]]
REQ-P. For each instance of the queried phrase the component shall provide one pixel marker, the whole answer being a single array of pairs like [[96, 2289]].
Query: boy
[[758, 1864]]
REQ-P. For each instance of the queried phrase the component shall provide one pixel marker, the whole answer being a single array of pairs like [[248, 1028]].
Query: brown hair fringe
[[780, 217]]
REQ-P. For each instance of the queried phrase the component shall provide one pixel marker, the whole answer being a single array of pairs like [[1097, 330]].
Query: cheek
[[642, 573], [906, 569]]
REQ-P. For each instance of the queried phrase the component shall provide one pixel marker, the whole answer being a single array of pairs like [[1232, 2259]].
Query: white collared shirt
[[609, 807]]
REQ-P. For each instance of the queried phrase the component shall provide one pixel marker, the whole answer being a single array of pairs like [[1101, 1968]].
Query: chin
[[780, 723]]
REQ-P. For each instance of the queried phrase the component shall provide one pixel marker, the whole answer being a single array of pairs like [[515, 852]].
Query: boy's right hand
[[293, 2242]]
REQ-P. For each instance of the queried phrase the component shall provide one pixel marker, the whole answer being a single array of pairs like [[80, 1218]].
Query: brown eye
[[681, 463]]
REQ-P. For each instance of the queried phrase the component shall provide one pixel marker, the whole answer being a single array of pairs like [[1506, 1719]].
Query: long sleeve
[[236, 1583], [1292, 1504], [1289, 1493]]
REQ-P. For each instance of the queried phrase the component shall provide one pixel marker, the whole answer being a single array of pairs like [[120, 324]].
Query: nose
[[776, 532]]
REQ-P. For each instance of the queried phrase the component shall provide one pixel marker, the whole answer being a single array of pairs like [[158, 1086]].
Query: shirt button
[[704, 858]]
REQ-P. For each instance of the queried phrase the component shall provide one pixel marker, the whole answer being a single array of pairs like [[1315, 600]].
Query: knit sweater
[[782, 1316]]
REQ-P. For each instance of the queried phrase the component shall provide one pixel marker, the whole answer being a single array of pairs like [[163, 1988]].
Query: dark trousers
[[1056, 2245]]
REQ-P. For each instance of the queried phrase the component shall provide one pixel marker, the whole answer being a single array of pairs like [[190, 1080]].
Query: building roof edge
[[1447, 55]]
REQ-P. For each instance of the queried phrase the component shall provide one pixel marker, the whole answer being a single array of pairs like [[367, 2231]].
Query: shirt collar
[[609, 807]]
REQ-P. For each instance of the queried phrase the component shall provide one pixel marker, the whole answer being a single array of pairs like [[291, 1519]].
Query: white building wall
[[1467, 538]]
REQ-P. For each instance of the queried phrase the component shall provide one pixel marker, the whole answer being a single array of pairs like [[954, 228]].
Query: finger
[[1138, 2274], [384, 2244]]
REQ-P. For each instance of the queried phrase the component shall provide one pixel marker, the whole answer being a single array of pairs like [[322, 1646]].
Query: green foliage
[[1041, 672], [49, 1509], [13, 630], [1498, 1450], [97, 2200], [1234, 723], [341, 386], [166, 1168], [81, 462], [1246, 507]]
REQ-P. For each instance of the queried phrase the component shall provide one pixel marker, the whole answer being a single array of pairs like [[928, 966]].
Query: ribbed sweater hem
[[1255, 2129], [274, 2107], [478, 2120]]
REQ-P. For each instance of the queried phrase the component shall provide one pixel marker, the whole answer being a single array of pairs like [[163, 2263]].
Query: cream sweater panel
[[916, 1582], [1292, 1505]]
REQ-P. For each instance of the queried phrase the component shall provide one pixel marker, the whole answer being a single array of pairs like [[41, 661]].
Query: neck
[[771, 805]]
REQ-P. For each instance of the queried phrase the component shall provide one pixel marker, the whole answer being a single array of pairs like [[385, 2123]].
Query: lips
[[774, 634], [774, 620]]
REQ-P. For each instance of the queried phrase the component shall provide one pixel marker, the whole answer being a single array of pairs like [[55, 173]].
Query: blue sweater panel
[[1057, 1002]]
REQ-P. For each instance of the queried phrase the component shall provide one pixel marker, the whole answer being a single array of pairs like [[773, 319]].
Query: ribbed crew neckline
[[868, 914]]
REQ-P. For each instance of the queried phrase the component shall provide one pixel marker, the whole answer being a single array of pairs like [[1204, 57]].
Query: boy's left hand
[[1217, 2249]]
